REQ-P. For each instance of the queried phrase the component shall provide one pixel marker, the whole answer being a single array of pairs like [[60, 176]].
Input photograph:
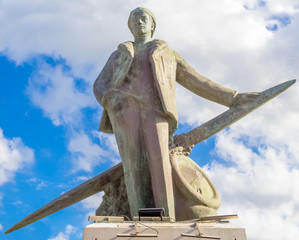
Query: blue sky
[[52, 51]]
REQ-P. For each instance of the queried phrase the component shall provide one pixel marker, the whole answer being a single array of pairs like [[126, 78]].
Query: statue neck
[[142, 39]]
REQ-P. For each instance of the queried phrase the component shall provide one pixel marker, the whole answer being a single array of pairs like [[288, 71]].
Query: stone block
[[163, 231]]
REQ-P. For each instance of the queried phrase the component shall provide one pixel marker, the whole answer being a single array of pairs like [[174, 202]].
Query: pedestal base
[[163, 231]]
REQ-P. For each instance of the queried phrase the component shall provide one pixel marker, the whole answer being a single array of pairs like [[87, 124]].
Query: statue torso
[[140, 80]]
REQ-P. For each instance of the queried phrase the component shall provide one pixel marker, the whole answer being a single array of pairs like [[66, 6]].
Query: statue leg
[[156, 138], [125, 116]]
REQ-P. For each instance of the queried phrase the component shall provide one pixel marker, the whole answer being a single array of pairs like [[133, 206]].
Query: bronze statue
[[137, 90]]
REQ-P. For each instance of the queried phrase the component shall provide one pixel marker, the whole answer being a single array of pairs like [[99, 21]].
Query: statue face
[[141, 24]]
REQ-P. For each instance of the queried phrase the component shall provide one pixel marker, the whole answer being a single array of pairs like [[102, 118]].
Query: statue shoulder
[[126, 47], [160, 46], [159, 43]]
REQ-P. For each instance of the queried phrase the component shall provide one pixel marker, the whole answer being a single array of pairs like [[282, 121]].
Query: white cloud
[[38, 183], [69, 230], [72, 30], [80, 33], [18, 203], [259, 184], [14, 156], [86, 154], [1, 227], [82, 178], [93, 202], [108, 142], [205, 30], [194, 110], [228, 43], [54, 91], [257, 181], [41, 185]]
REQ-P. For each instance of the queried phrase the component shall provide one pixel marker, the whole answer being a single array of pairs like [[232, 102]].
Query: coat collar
[[156, 46]]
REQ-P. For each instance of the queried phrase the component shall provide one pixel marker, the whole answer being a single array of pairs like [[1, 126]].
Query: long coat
[[168, 68]]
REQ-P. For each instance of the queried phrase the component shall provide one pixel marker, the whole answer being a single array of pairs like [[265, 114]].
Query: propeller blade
[[84, 190], [229, 117], [195, 136]]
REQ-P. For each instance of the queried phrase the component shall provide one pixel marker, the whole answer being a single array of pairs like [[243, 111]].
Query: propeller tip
[[8, 231], [12, 229], [290, 82]]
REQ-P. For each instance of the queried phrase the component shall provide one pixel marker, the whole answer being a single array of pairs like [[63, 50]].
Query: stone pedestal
[[163, 231]]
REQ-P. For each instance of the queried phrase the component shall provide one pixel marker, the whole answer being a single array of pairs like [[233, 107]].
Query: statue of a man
[[137, 90]]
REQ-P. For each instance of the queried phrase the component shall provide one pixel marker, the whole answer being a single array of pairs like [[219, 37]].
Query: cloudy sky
[[52, 51]]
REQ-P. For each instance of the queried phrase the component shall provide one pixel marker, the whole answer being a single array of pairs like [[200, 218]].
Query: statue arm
[[101, 84], [189, 78]]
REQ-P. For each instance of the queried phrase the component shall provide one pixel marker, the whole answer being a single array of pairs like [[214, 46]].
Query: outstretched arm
[[189, 78]]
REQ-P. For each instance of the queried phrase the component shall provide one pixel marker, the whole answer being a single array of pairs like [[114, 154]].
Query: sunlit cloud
[[66, 234], [57, 93], [14, 157], [91, 204], [86, 154], [257, 182]]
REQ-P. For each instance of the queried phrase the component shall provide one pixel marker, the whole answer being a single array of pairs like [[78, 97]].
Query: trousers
[[142, 136]]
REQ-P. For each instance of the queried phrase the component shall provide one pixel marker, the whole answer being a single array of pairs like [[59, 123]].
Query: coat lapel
[[122, 63], [125, 57]]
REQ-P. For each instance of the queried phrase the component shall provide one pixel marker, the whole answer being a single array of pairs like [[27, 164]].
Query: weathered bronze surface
[[137, 90]]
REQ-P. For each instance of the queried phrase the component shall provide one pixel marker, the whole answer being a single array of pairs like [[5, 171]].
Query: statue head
[[142, 21]]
